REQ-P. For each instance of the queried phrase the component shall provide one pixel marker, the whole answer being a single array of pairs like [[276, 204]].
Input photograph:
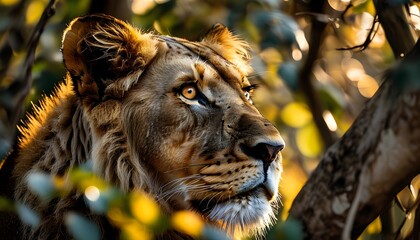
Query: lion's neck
[[56, 137]]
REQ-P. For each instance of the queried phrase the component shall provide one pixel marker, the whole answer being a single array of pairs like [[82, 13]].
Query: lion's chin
[[250, 213]]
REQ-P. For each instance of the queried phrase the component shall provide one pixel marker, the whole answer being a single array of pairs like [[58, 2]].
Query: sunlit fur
[[121, 107]]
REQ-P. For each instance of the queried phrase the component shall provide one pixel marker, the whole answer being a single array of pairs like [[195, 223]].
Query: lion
[[160, 114]]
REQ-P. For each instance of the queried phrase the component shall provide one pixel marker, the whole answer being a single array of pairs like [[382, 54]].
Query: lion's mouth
[[246, 212], [205, 206]]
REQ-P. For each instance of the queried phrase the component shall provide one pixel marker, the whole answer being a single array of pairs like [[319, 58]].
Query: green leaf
[[42, 185], [289, 73], [6, 204], [211, 233], [27, 215], [289, 230], [81, 228], [406, 76], [277, 28]]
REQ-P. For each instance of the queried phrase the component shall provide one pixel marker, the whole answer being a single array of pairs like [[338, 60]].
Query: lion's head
[[175, 118]]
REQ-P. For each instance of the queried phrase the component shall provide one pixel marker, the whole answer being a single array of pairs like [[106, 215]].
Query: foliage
[[136, 214], [344, 80]]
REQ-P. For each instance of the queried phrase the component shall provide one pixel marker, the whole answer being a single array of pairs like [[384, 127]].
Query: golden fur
[[122, 106]]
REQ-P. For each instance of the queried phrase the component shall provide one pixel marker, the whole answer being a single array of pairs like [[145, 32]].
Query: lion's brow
[[223, 67]]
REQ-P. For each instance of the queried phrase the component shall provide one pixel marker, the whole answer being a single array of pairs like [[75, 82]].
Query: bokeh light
[[353, 68], [367, 86], [296, 54], [330, 121], [338, 5], [92, 193]]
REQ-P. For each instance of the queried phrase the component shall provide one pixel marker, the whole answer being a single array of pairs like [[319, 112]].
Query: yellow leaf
[[374, 227], [408, 226], [370, 8], [118, 217], [34, 11], [309, 141], [296, 115], [188, 222], [134, 231], [271, 55], [8, 2], [59, 182], [144, 208]]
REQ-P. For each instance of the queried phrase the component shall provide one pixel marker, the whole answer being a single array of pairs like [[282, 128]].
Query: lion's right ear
[[105, 56]]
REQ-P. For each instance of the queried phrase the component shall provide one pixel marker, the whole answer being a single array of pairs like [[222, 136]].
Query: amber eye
[[248, 91], [247, 95], [189, 92]]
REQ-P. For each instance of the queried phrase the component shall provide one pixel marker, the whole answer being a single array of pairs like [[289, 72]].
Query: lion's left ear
[[105, 56], [229, 46]]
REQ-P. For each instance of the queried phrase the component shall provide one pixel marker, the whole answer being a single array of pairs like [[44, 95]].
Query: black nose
[[265, 152]]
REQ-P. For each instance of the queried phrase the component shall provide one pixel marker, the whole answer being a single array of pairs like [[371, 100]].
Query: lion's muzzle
[[264, 151]]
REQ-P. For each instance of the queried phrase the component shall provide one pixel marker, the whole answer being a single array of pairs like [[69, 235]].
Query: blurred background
[[312, 97]]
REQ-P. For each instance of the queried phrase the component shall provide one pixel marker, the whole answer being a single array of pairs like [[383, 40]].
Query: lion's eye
[[189, 92], [247, 92], [247, 95]]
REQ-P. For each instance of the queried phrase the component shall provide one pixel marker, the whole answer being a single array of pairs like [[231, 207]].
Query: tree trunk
[[358, 176]]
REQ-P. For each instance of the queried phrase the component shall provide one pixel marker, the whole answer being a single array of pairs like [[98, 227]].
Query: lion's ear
[[229, 46], [101, 52]]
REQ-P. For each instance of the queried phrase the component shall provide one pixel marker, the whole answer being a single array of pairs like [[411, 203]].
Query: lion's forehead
[[176, 50], [197, 52]]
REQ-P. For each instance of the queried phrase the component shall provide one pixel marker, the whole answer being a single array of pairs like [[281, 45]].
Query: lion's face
[[189, 121], [208, 146]]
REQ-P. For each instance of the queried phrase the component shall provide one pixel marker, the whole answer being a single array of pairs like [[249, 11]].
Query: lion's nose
[[264, 151]]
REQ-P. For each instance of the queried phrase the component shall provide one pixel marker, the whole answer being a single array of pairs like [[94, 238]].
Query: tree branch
[[305, 76], [371, 34], [361, 174], [394, 21], [25, 82], [375, 159], [19, 89]]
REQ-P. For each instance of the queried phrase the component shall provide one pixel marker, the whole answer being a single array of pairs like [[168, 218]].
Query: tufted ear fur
[[232, 48], [105, 56]]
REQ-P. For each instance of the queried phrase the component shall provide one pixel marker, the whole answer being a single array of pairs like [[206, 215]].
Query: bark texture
[[359, 175]]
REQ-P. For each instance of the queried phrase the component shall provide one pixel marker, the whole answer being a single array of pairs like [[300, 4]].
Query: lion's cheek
[[173, 157]]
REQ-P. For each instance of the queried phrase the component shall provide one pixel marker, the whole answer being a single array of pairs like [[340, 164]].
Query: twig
[[25, 83], [306, 85], [372, 32]]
